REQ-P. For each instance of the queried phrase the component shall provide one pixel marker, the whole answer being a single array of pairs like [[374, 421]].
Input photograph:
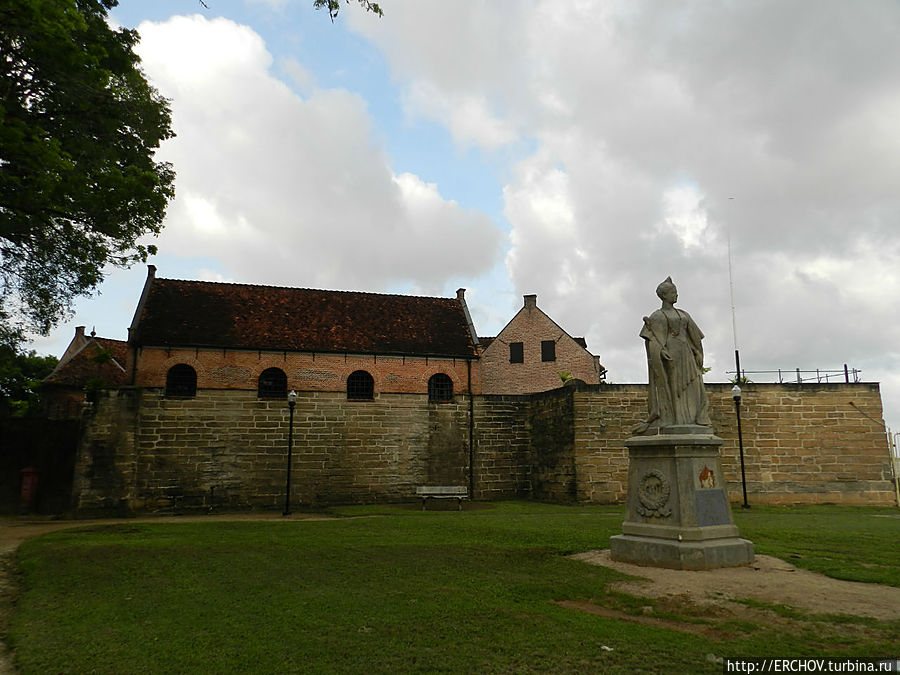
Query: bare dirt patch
[[767, 579]]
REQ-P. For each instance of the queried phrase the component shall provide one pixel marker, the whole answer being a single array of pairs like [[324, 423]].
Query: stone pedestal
[[678, 512]]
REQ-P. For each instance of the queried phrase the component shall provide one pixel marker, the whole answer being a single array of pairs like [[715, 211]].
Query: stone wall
[[227, 448], [806, 443], [552, 444], [502, 447], [803, 444]]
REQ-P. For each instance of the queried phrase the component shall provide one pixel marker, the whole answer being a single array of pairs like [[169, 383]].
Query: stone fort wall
[[803, 444], [226, 449]]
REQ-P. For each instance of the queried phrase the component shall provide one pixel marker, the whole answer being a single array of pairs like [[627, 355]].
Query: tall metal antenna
[[731, 292], [737, 356]]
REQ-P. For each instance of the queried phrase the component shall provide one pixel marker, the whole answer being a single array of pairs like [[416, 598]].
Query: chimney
[[530, 301], [79, 333]]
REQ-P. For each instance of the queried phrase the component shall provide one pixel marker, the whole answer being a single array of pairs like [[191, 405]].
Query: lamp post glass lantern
[[292, 401], [736, 395]]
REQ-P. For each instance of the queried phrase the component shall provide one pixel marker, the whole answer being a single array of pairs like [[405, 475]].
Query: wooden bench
[[442, 492]]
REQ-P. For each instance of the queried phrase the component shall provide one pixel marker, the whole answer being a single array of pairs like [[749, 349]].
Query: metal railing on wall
[[798, 376]]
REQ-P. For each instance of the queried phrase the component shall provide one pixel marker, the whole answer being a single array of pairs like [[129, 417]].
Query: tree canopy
[[79, 184], [334, 7], [20, 380]]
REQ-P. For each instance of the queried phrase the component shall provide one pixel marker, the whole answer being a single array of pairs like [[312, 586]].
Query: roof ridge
[[302, 288]]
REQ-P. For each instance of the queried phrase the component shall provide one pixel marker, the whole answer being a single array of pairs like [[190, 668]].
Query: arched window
[[272, 383], [440, 388], [181, 381], [360, 386]]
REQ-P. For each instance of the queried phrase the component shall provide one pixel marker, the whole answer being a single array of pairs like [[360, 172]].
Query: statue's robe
[[675, 365]]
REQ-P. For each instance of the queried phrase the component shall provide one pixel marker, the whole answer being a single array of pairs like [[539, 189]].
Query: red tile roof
[[99, 358], [237, 316]]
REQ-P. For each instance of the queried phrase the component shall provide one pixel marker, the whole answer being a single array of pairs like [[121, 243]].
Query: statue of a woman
[[675, 363]]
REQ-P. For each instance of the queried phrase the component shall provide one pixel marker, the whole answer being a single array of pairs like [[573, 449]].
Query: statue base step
[[681, 555]]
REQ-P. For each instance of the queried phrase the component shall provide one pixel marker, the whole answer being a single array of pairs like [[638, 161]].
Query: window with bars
[[360, 386], [548, 350], [440, 388], [181, 381], [516, 352], [272, 383]]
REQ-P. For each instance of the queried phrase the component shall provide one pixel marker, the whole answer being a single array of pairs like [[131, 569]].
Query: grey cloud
[[782, 116]]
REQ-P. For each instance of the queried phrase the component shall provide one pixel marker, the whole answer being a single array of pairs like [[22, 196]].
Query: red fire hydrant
[[29, 487]]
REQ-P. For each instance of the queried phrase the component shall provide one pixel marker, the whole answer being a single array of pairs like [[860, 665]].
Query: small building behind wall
[[532, 354], [89, 363]]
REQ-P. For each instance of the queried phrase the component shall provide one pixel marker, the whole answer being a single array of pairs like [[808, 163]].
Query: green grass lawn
[[407, 591]]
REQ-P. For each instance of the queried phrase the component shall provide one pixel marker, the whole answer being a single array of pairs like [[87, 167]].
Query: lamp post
[[736, 395], [292, 401]]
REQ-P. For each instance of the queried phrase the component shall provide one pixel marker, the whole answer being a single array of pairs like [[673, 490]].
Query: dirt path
[[767, 579]]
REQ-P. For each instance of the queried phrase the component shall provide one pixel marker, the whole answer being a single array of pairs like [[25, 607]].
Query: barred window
[[516, 352], [360, 386], [272, 384], [440, 388], [548, 350], [181, 381]]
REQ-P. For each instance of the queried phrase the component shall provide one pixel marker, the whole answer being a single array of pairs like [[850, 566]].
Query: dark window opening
[[440, 388], [272, 384], [181, 381], [516, 352], [360, 386], [548, 350]]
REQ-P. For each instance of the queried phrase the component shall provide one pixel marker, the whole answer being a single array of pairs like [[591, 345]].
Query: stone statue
[[676, 396]]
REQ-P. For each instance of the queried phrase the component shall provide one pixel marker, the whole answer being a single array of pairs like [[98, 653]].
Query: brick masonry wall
[[236, 369]]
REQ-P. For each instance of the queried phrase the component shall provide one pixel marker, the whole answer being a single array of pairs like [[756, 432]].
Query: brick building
[[532, 353], [190, 335], [89, 363]]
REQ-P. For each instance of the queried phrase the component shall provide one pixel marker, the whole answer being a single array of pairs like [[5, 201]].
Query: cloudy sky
[[580, 150]]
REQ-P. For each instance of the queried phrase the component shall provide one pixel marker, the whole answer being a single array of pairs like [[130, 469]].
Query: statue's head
[[667, 290]]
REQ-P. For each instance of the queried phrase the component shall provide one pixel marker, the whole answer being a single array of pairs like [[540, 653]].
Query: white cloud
[[289, 190], [469, 118]]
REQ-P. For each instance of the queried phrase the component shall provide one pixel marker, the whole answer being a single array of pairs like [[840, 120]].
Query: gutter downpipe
[[471, 432], [461, 298]]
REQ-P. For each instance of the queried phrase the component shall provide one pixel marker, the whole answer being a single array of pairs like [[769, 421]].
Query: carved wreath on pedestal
[[653, 494]]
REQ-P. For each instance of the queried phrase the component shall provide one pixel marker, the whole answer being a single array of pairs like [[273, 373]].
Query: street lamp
[[736, 395], [292, 401]]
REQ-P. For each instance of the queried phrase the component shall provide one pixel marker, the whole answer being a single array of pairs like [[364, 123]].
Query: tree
[[334, 7], [79, 186], [21, 375]]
